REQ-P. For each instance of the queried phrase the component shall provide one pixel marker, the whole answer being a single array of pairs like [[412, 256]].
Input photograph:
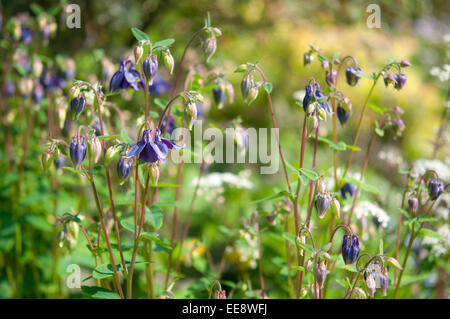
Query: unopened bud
[[138, 52], [155, 173], [96, 148], [169, 61]]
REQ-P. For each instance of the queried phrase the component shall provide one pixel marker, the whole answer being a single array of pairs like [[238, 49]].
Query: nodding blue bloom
[[77, 104], [384, 282], [38, 93], [219, 96], [126, 77], [9, 88], [50, 81], [350, 249], [413, 204], [123, 167], [348, 189], [152, 151], [400, 81], [320, 272], [435, 189], [150, 67], [342, 115], [331, 77], [26, 35], [322, 204], [351, 75], [171, 125], [78, 150], [60, 161], [159, 86], [319, 95], [307, 98]]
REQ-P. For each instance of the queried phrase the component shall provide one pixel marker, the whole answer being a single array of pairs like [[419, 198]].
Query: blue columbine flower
[[435, 189], [342, 115], [322, 204], [26, 35], [78, 150], [123, 168], [318, 94], [77, 104], [126, 77], [159, 86], [351, 75], [400, 81], [150, 67], [350, 249], [152, 151], [307, 98], [219, 96], [348, 189]]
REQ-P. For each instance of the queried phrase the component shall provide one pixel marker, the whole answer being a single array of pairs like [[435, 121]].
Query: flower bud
[[150, 67], [405, 63], [336, 208], [384, 282], [252, 95], [168, 61], [361, 293], [123, 168], [320, 273], [322, 204], [78, 150], [307, 98], [246, 84], [219, 96], [308, 264], [400, 81], [435, 189], [350, 249], [413, 204], [398, 126], [192, 108], [351, 75], [308, 57], [388, 79], [77, 104], [46, 159], [342, 114], [325, 64], [349, 189], [138, 52]]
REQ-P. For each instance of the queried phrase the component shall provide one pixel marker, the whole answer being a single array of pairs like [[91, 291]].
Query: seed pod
[[435, 189], [349, 189], [370, 283], [168, 61], [384, 282], [413, 204], [322, 204], [123, 168], [350, 249], [252, 95], [209, 47], [331, 77], [351, 75], [78, 150], [150, 67], [308, 264], [320, 273], [400, 81], [77, 104], [96, 148]]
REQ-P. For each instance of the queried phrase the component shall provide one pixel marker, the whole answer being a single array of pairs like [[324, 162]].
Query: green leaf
[[289, 237], [70, 169], [310, 174], [305, 247], [365, 76], [160, 102], [127, 224], [363, 186], [268, 87], [163, 43], [274, 196], [379, 131], [340, 146], [377, 109], [38, 222], [430, 233], [154, 216], [335, 56], [125, 137], [140, 35], [105, 271], [107, 137], [99, 292], [160, 184]]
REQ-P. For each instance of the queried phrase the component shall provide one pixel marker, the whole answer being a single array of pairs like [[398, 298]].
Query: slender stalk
[[358, 128], [408, 250], [261, 277]]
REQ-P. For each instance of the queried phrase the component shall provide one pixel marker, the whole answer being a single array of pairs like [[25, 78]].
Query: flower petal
[[171, 145], [136, 149]]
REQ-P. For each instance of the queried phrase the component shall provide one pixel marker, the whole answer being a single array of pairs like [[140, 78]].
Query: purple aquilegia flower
[[159, 86], [342, 115], [307, 98], [26, 35], [126, 77], [152, 151], [319, 95], [351, 75], [150, 67], [400, 81], [435, 189], [350, 249], [349, 189]]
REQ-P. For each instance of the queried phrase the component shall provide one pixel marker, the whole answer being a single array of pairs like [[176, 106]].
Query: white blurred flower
[[366, 208], [439, 247], [221, 179], [422, 165]]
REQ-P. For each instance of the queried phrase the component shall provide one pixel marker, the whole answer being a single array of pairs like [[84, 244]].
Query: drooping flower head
[[351, 75], [78, 150], [150, 67], [342, 114], [322, 204], [307, 98], [400, 81], [350, 249], [435, 189], [126, 77], [318, 93], [151, 151], [123, 167], [349, 189]]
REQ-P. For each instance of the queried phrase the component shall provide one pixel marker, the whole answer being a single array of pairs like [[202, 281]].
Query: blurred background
[[278, 32]]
